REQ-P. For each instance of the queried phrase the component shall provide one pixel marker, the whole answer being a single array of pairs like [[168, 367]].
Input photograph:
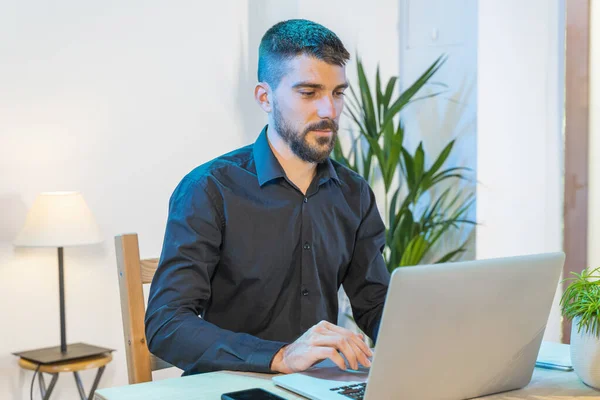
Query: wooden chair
[[133, 274]]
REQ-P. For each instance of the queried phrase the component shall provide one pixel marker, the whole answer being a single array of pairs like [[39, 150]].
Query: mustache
[[322, 125]]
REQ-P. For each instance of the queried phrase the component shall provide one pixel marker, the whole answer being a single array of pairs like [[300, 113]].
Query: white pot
[[585, 356]]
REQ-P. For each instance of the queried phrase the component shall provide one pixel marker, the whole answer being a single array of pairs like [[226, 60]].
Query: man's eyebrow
[[309, 85]]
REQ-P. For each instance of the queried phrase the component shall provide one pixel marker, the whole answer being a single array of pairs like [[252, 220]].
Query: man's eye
[[307, 94], [340, 94]]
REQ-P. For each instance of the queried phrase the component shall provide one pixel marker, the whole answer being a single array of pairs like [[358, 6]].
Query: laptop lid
[[456, 330], [462, 330]]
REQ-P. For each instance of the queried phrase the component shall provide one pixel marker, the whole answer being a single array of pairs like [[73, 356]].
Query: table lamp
[[59, 219]]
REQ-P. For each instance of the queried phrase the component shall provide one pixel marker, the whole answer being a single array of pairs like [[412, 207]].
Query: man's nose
[[326, 108]]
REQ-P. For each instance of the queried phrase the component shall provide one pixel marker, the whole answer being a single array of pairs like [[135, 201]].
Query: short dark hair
[[288, 39]]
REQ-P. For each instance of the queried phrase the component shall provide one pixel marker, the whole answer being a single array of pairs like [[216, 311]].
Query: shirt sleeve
[[367, 279], [181, 290]]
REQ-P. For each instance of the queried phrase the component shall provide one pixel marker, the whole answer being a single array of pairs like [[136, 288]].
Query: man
[[258, 241]]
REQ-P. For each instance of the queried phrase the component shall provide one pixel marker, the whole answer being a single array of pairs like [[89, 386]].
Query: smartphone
[[251, 394]]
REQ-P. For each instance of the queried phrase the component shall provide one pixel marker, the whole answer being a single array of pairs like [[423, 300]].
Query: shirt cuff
[[260, 360]]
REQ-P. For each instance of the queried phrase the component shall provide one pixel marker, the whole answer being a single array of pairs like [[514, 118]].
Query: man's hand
[[322, 341]]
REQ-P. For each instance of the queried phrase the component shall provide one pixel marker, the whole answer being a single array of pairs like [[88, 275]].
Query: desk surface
[[545, 385]]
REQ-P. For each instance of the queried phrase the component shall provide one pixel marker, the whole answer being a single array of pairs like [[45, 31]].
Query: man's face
[[307, 106]]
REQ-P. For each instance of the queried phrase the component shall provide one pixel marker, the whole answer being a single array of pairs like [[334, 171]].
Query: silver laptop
[[449, 332]]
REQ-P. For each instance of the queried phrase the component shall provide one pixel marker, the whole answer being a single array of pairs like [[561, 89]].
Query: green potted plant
[[422, 205], [580, 303], [427, 203]]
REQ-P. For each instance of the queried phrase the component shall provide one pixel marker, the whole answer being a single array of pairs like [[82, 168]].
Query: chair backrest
[[133, 273]]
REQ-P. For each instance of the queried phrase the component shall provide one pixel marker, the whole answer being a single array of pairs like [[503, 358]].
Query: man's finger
[[321, 353], [355, 337], [339, 343], [361, 357], [362, 345]]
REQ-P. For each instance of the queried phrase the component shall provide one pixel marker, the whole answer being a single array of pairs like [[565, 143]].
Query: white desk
[[545, 385]]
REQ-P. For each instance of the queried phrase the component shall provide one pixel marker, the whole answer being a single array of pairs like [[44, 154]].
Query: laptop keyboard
[[356, 391]]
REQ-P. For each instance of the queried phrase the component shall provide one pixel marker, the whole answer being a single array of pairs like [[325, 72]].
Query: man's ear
[[262, 93]]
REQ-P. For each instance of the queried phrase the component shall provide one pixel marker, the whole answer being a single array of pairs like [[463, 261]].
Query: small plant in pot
[[581, 304]]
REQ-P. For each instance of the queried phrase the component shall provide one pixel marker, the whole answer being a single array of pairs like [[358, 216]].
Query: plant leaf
[[367, 99], [408, 94]]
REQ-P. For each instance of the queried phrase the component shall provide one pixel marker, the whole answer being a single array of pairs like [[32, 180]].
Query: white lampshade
[[59, 219]]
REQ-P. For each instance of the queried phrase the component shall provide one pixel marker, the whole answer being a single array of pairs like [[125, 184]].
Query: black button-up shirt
[[249, 263]]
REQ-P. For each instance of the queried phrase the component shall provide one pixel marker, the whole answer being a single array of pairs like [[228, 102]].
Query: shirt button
[[306, 199], [306, 246], [305, 292]]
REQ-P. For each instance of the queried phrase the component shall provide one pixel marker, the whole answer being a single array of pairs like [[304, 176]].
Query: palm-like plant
[[412, 231]]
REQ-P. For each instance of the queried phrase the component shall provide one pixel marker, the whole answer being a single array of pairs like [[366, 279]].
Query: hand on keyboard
[[324, 340]]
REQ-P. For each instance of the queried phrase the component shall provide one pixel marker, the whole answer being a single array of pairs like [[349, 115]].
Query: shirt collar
[[326, 170], [268, 167]]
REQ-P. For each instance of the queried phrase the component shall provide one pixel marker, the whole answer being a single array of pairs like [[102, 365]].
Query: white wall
[[520, 111], [594, 152], [120, 100], [430, 28]]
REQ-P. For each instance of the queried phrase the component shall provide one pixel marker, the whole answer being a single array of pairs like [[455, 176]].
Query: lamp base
[[49, 355]]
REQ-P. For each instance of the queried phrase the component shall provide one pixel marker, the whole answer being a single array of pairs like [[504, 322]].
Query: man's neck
[[300, 172]]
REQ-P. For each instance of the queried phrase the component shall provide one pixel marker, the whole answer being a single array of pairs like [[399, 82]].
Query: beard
[[298, 143]]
